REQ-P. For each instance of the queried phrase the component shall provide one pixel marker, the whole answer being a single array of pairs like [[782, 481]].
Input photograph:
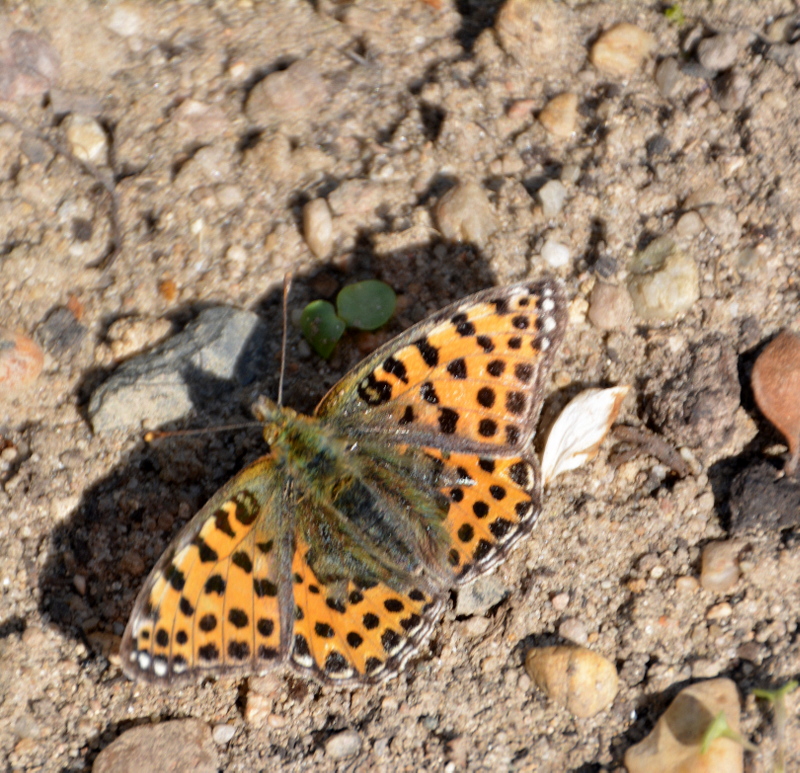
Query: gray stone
[[222, 347], [718, 53], [484, 593]]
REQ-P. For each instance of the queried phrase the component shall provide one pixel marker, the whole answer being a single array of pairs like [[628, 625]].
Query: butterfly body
[[335, 550]]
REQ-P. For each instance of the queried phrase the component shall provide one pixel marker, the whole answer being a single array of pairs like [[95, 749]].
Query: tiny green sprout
[[719, 728], [321, 327], [674, 15], [778, 700], [363, 306], [366, 305]]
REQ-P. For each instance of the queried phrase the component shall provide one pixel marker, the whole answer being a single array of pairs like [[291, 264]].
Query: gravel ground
[[212, 125]]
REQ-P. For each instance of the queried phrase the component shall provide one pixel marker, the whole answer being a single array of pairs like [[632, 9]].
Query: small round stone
[[86, 138], [222, 734], [560, 601], [573, 630], [687, 584], [582, 681], [719, 572], [664, 282], [465, 213], [343, 745], [552, 196], [689, 225], [718, 52], [555, 254], [668, 76], [610, 307], [318, 227], [621, 50], [560, 115]]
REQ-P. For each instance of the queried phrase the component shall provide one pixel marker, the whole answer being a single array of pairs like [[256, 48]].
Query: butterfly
[[335, 551]]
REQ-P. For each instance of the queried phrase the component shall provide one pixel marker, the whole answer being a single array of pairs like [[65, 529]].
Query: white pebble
[[86, 138], [555, 254], [318, 227], [552, 196], [222, 734], [466, 214], [126, 21], [342, 745]]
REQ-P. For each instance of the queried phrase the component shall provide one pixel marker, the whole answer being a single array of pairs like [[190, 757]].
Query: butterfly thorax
[[383, 495]]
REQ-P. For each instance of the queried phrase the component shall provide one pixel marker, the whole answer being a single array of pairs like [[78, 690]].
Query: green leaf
[[366, 305], [321, 327]]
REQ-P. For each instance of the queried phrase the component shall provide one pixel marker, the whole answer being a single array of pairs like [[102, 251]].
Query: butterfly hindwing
[[212, 601]]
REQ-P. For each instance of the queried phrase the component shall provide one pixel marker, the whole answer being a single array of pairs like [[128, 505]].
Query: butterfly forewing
[[468, 377]]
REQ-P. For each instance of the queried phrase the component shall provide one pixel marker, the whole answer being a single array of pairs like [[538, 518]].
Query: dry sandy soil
[[404, 99]]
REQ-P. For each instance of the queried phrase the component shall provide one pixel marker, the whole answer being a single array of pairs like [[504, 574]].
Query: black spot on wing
[[429, 353]]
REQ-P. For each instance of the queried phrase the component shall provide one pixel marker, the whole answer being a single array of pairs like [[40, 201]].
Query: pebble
[[552, 196], [719, 52], [481, 595], [573, 630], [555, 254], [576, 678], [86, 138], [318, 227], [79, 582], [560, 115], [610, 307], [775, 379], [560, 601], [465, 213], [719, 611], [126, 20], [664, 283], [687, 584], [222, 344], [343, 745], [21, 361], [296, 91], [223, 734], [668, 76], [674, 744], [530, 30], [719, 570], [621, 50], [689, 225], [257, 708], [180, 745], [730, 90]]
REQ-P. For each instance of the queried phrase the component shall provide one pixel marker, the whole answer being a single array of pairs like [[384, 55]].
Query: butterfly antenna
[[287, 286]]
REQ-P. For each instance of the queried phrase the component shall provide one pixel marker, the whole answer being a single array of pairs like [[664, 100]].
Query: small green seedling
[[362, 306], [674, 14], [719, 728], [778, 700]]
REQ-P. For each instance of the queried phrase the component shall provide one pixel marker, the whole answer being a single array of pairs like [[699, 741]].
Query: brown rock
[[621, 50], [582, 681], [776, 387], [180, 746], [674, 745]]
